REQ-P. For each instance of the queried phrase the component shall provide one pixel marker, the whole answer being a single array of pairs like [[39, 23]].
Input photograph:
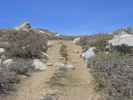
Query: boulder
[[2, 50], [18, 65], [39, 65], [24, 66], [24, 26]]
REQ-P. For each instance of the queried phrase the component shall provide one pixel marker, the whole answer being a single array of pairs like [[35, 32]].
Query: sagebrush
[[114, 75]]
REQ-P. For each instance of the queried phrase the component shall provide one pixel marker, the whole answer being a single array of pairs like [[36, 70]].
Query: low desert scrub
[[26, 44], [8, 79], [123, 49], [113, 75]]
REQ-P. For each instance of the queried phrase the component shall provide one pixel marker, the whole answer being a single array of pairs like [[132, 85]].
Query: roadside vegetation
[[113, 75], [112, 68]]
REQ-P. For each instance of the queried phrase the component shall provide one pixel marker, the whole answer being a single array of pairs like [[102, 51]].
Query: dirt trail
[[31, 88], [83, 87]]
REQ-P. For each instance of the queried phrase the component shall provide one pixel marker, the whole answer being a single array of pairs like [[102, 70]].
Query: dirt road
[[80, 89]]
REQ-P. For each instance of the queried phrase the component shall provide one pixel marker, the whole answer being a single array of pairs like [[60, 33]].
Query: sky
[[68, 17]]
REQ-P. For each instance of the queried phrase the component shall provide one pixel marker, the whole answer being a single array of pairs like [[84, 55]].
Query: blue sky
[[68, 16]]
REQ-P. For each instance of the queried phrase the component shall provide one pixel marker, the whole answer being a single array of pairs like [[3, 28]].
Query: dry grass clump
[[63, 51], [59, 78], [114, 76], [62, 76]]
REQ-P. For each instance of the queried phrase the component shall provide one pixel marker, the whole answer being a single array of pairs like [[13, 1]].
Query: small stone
[[53, 92], [61, 58], [49, 97], [49, 64], [39, 65], [22, 76]]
